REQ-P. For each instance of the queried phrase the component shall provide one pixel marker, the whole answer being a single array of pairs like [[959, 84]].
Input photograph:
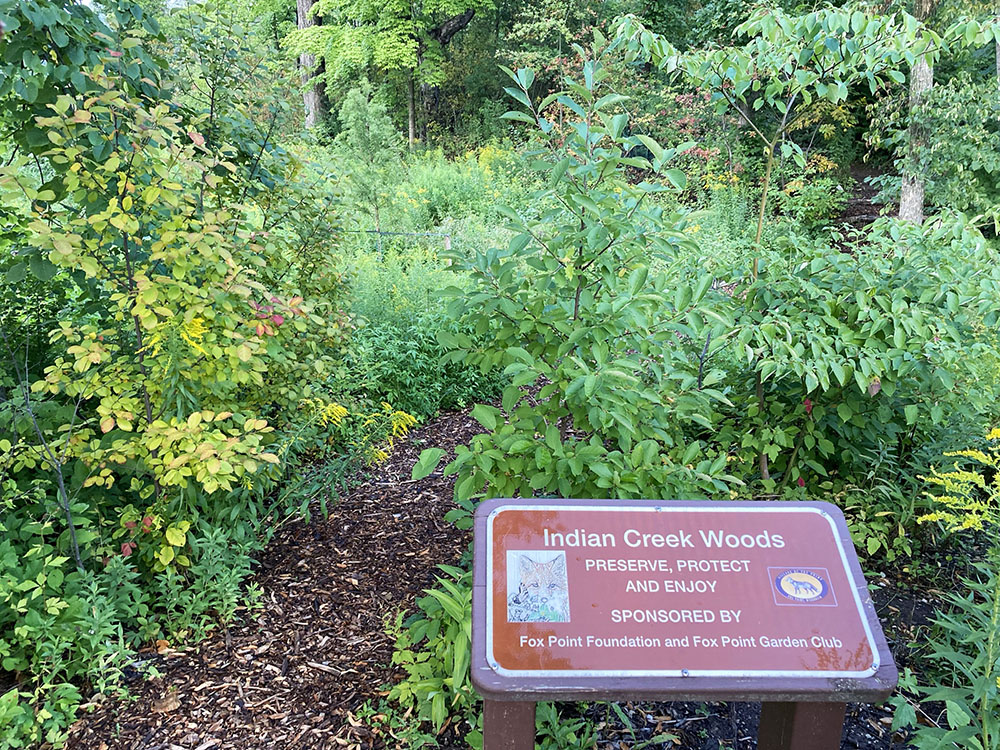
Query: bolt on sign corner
[[579, 590]]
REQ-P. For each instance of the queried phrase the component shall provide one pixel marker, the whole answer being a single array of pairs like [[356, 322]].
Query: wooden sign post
[[656, 600]]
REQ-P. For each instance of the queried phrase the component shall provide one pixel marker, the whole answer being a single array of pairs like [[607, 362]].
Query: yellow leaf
[[89, 266], [175, 536], [107, 424]]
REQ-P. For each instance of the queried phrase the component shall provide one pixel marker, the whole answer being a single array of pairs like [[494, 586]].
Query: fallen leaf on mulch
[[169, 702]]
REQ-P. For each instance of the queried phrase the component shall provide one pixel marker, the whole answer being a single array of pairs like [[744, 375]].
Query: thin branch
[[57, 465], [702, 359]]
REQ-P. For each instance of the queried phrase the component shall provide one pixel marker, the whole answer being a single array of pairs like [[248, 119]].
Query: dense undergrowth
[[637, 279]]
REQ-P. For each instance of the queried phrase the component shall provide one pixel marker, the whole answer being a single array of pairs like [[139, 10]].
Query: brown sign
[[696, 597]]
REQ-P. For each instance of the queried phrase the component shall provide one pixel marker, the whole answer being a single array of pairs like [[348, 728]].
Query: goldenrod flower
[[193, 331]]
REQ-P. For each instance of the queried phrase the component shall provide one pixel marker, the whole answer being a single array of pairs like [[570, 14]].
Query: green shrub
[[437, 683], [966, 499], [402, 364], [395, 353], [967, 655], [603, 350], [186, 374], [813, 201]]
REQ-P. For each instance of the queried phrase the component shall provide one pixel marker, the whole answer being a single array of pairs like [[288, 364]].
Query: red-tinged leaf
[[874, 387]]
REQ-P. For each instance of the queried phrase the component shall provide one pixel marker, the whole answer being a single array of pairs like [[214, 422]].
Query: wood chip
[[169, 702]]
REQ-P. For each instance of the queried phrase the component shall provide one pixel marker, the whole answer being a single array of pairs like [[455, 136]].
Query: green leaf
[[654, 148], [839, 372], [519, 95], [41, 268], [912, 412], [465, 489], [485, 415], [17, 272], [427, 463], [559, 170], [704, 282], [677, 178], [520, 116], [958, 716], [905, 716], [609, 100]]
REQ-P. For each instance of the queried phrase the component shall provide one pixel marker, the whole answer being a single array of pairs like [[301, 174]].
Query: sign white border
[[671, 508]]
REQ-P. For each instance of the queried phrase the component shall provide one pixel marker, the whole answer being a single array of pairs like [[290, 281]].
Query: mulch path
[[860, 209], [294, 674]]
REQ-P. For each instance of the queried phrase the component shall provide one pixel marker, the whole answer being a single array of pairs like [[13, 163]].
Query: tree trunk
[[312, 95], [452, 26], [430, 95], [411, 109], [425, 107], [911, 197]]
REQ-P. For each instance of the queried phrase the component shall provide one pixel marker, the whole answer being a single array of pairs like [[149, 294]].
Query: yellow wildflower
[[193, 331]]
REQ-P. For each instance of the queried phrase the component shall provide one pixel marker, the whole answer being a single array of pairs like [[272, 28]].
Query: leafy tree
[[692, 23], [371, 146], [959, 158], [967, 26], [394, 38], [787, 63], [143, 456], [226, 86], [544, 31]]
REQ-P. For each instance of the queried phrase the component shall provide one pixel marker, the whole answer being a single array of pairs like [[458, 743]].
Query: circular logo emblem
[[801, 585]]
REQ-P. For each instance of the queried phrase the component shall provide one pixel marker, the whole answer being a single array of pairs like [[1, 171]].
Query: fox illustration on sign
[[541, 593]]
